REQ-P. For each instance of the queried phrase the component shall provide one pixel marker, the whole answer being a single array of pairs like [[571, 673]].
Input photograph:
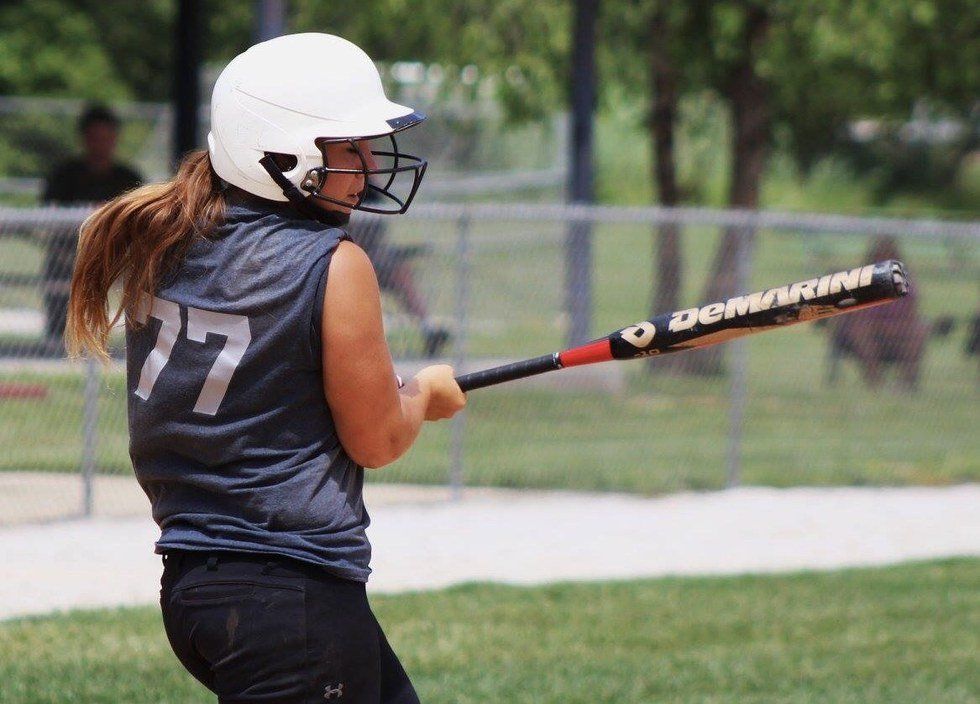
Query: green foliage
[[824, 59], [143, 65], [56, 49], [522, 45], [838, 61], [100, 50], [824, 62], [51, 48], [229, 29]]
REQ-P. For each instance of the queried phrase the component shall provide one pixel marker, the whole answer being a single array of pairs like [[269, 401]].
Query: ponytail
[[138, 236]]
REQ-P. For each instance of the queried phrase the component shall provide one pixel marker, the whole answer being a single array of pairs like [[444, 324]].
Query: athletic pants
[[255, 628]]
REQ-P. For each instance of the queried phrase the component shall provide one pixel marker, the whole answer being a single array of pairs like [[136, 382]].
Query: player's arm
[[376, 421]]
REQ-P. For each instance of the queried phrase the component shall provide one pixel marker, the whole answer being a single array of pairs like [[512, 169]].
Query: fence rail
[[734, 218], [12, 218]]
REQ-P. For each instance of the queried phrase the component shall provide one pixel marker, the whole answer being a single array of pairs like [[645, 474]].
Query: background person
[[395, 274], [93, 177]]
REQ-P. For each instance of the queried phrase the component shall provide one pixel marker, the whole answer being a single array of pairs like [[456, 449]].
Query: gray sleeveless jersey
[[230, 433]]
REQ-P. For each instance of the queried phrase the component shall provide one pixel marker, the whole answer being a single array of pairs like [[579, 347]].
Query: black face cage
[[315, 178]]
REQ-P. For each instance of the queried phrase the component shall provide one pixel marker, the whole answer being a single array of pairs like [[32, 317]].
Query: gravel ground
[[423, 541]]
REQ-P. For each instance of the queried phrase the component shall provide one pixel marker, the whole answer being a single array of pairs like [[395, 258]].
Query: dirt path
[[423, 541]]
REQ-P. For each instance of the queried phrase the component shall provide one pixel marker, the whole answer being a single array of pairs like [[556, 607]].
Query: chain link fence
[[884, 399]]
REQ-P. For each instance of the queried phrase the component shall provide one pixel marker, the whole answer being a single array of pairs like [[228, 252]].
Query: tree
[[523, 44], [742, 31], [812, 67], [803, 69], [48, 48], [69, 62], [665, 92]]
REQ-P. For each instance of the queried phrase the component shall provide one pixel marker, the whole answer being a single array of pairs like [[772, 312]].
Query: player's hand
[[446, 399]]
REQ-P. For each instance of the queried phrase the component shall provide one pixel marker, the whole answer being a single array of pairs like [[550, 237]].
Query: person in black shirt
[[94, 177]]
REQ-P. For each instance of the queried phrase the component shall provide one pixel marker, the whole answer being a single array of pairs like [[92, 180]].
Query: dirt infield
[[43, 497], [422, 540], [38, 497]]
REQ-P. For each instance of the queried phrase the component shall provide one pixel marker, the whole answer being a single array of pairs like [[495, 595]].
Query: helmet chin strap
[[300, 202]]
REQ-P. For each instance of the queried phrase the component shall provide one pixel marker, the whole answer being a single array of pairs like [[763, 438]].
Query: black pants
[[254, 629]]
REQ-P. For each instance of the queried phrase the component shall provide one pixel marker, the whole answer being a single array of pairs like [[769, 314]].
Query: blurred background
[[591, 164]]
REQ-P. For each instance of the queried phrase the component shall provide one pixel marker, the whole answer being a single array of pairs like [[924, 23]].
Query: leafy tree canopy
[[53, 48], [824, 62]]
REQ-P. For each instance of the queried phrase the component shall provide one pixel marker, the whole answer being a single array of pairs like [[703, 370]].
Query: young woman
[[259, 383]]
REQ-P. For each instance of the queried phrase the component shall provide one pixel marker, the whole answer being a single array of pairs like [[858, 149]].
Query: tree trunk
[[663, 116], [747, 94]]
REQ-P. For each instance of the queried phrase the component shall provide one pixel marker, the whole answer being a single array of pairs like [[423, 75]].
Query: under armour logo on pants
[[331, 691]]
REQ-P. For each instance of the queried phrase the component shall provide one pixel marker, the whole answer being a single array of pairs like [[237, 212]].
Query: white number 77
[[199, 323]]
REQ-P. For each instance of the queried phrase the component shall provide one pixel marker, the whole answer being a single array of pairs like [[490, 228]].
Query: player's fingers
[[445, 396]]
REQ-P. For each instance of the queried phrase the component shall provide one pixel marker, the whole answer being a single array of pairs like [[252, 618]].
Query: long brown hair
[[138, 236]]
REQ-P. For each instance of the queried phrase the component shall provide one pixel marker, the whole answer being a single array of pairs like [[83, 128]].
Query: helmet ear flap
[[287, 165], [284, 162]]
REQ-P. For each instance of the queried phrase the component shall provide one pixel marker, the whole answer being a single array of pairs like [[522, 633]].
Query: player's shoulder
[[126, 173], [61, 181], [70, 167]]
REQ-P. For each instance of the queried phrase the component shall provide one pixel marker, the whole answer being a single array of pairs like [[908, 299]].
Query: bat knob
[[900, 278]]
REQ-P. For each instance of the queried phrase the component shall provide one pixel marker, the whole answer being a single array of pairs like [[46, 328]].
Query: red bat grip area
[[598, 351]]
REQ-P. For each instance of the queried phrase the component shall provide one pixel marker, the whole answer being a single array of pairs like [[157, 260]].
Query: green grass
[[662, 434], [907, 634]]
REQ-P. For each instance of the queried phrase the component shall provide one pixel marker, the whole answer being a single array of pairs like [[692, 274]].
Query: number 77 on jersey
[[200, 322]]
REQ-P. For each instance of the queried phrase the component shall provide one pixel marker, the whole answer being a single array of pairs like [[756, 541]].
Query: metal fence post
[[578, 240], [461, 314], [740, 367], [578, 282], [90, 436]]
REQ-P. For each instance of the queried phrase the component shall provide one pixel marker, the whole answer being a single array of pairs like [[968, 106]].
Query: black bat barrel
[[737, 316], [812, 299]]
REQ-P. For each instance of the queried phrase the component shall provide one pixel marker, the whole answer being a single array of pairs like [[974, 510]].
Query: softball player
[[259, 383]]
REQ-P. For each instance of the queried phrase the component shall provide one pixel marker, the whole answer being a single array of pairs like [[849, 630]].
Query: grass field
[[907, 634], [663, 434]]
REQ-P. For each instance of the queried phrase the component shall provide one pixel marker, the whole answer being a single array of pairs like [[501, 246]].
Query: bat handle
[[509, 372]]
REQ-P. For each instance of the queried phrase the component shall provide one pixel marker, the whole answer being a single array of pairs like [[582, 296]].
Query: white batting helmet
[[276, 106]]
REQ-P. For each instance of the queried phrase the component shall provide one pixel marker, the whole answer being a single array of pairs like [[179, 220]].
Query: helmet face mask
[[274, 114], [393, 164]]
